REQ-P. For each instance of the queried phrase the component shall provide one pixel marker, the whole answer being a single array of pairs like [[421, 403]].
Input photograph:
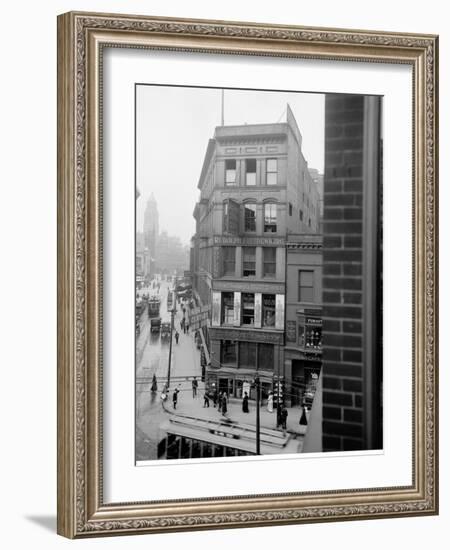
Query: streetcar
[[154, 305]]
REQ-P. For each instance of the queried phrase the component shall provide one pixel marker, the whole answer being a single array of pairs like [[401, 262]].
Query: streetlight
[[258, 449], [172, 316]]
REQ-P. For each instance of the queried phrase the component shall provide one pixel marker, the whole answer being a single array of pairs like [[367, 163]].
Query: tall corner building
[[151, 234], [255, 191]]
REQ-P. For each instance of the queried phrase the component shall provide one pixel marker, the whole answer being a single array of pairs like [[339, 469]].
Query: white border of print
[[123, 481]]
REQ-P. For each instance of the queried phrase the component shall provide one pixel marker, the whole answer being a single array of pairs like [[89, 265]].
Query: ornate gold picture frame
[[82, 40]]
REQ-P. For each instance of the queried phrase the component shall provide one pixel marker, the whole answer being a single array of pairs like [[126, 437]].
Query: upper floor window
[[268, 310], [230, 172], [305, 286], [270, 218], [228, 260], [271, 171], [227, 308], [249, 217], [250, 172], [225, 216], [231, 216], [270, 262], [248, 309], [249, 261]]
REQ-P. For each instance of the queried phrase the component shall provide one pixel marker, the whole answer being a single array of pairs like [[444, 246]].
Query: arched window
[[249, 217], [270, 217]]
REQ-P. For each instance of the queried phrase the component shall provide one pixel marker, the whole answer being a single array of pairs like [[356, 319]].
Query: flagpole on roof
[[223, 103]]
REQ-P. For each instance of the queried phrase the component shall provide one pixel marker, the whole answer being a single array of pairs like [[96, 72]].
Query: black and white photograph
[[258, 280]]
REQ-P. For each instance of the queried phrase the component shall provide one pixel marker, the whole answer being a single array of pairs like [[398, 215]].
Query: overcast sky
[[173, 128]]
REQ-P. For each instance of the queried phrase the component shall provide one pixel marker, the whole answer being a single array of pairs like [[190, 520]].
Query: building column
[[241, 180], [216, 305], [259, 171], [238, 262], [237, 309], [281, 263], [279, 311], [258, 309], [259, 262], [259, 219]]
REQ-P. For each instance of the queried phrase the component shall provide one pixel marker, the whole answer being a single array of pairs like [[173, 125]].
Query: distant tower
[[151, 232]]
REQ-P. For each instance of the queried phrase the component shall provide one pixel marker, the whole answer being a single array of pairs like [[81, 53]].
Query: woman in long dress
[[224, 404], [245, 403], [270, 402]]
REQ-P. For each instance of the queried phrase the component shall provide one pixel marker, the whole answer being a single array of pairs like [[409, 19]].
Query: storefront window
[[228, 352], [266, 357], [313, 337], [247, 354]]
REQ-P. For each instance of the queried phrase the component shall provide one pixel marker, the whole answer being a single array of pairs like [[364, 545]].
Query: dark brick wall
[[342, 426]]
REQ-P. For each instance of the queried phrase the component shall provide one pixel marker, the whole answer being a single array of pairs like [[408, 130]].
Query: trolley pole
[[258, 443]]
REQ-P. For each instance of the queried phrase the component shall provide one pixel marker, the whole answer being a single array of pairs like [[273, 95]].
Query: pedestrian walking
[[175, 397], [270, 402], [205, 401], [214, 398], [177, 336], [183, 323], [303, 418], [154, 387], [224, 404], [187, 328], [284, 415], [219, 402], [194, 387], [245, 403]]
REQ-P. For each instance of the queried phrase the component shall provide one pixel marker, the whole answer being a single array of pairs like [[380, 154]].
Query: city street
[[152, 357]]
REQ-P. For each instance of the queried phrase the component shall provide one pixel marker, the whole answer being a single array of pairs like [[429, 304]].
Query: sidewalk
[[193, 407]]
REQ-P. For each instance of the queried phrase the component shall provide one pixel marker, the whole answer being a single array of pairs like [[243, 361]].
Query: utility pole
[[172, 315], [258, 443]]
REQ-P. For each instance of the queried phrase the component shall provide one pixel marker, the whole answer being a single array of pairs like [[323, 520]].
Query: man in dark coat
[[284, 415], [214, 398], [175, 397], [245, 403], [194, 387], [303, 418], [224, 404]]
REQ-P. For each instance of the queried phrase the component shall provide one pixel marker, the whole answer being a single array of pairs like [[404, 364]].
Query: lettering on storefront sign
[[199, 317], [247, 335], [291, 331], [229, 286], [251, 241], [313, 321]]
